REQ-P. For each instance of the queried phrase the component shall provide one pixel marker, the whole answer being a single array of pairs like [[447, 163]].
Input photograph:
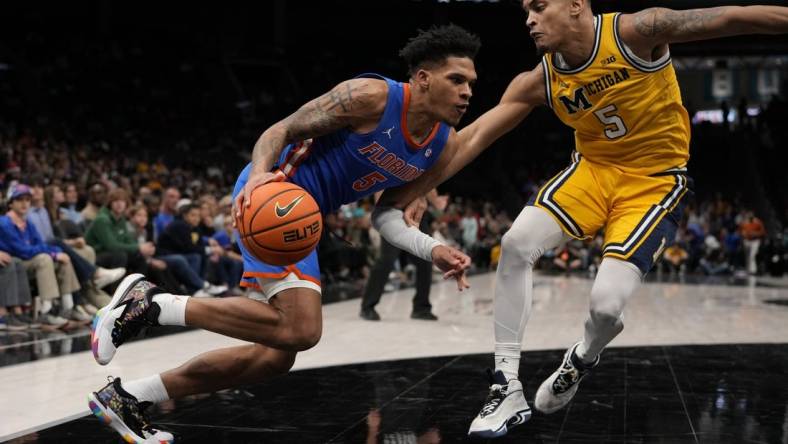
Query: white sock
[[507, 359], [173, 308], [150, 389], [67, 301], [46, 305], [533, 232]]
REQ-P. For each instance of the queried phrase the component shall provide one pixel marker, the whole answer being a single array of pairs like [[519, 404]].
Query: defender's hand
[[453, 263], [255, 180]]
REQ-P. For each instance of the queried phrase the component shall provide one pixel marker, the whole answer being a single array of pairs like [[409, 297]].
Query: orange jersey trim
[[404, 123], [289, 269]]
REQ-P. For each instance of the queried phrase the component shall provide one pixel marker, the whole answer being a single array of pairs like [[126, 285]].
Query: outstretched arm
[[648, 29], [524, 93]]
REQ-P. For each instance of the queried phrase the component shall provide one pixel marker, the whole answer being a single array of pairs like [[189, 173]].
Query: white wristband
[[390, 224]]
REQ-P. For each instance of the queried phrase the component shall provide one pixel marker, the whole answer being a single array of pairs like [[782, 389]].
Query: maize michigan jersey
[[632, 133], [625, 111]]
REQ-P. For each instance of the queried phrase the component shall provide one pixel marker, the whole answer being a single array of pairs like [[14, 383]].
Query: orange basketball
[[282, 225]]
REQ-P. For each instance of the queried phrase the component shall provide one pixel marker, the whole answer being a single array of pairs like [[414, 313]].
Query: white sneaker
[[52, 320], [106, 276], [76, 314], [201, 294], [214, 290], [557, 390], [131, 309], [505, 407]]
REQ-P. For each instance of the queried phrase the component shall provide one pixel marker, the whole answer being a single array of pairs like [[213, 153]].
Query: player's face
[[545, 20], [451, 87]]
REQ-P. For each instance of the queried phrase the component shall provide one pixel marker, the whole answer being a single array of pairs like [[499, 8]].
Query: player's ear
[[576, 7], [422, 79]]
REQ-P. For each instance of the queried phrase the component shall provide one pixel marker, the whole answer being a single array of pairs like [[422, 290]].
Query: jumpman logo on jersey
[[388, 131]]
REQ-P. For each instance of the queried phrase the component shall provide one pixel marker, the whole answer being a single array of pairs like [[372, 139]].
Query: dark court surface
[[680, 394]]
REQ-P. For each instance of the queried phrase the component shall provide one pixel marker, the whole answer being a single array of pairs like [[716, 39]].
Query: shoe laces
[[496, 396], [131, 322], [135, 409], [494, 399], [568, 375]]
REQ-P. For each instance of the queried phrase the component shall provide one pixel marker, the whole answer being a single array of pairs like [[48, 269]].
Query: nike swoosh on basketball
[[282, 212]]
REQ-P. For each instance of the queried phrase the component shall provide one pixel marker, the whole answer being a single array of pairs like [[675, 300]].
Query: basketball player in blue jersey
[[610, 78], [367, 134]]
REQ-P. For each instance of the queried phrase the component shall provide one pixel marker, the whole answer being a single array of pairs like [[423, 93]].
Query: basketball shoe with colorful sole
[[118, 409], [131, 309]]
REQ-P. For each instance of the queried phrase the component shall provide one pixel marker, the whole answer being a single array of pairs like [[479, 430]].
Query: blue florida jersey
[[344, 167]]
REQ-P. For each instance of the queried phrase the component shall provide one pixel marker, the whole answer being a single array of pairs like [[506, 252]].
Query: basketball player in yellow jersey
[[610, 78]]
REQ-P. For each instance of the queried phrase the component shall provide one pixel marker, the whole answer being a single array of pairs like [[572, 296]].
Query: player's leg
[[293, 324], [533, 232], [615, 282], [122, 404], [556, 215], [637, 232]]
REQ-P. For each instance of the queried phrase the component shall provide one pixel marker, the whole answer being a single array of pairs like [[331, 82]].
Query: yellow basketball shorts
[[640, 214]]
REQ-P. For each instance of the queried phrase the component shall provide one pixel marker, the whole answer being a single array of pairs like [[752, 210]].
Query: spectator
[[114, 243], [97, 198], [69, 236], [14, 295], [181, 241], [675, 258], [55, 276], [167, 211], [151, 203], [752, 231], [224, 212], [714, 261], [570, 256], [68, 209], [44, 215], [227, 238], [158, 270], [470, 230]]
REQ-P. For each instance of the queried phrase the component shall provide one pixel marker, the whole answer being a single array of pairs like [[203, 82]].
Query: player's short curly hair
[[438, 43]]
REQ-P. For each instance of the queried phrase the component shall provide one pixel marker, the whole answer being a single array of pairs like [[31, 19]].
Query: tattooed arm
[[647, 30], [357, 104], [353, 103]]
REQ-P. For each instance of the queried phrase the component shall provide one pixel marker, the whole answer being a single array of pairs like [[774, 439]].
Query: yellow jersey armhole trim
[[548, 86], [622, 48], [594, 54]]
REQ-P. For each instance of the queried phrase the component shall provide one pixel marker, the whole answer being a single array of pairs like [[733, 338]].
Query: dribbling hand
[[453, 263], [243, 199]]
